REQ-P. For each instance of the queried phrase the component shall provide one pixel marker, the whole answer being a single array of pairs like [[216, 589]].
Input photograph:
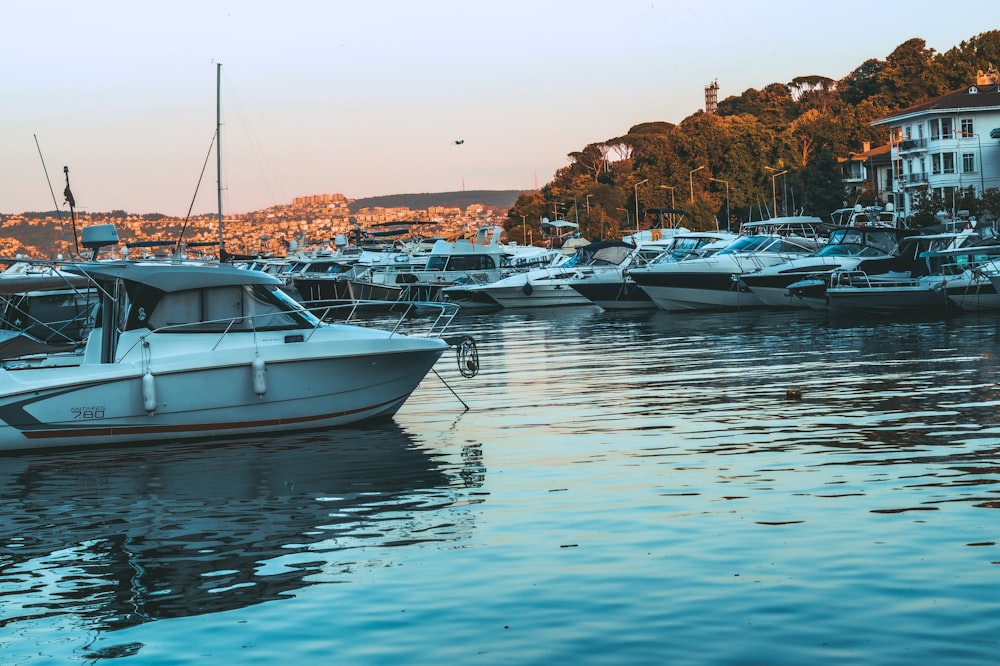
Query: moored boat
[[939, 266], [556, 285], [618, 291], [848, 248], [186, 350], [709, 283]]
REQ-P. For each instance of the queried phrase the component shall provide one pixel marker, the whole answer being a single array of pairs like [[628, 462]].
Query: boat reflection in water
[[118, 538]]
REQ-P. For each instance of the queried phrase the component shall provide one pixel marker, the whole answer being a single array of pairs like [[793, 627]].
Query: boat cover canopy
[[559, 224], [169, 276]]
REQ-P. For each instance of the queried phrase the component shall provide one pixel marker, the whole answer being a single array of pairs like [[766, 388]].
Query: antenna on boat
[[72, 209], [218, 151], [52, 192]]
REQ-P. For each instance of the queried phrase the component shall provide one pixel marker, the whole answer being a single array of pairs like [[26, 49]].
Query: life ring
[[527, 289]]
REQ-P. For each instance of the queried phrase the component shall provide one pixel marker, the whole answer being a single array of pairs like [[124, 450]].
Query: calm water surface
[[640, 489]]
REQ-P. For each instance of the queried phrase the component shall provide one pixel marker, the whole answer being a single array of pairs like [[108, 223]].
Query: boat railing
[[861, 279], [849, 279], [430, 319]]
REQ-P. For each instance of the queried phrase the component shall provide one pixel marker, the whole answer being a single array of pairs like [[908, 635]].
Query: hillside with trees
[[795, 129], [493, 198]]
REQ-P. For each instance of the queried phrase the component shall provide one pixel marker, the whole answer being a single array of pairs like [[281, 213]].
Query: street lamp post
[[646, 180], [774, 190], [588, 205], [691, 180], [524, 230], [728, 216]]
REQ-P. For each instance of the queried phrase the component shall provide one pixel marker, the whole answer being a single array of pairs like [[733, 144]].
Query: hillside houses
[[314, 219]]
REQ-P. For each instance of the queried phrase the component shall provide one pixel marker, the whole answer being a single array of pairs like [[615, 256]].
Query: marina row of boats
[[140, 350], [864, 265]]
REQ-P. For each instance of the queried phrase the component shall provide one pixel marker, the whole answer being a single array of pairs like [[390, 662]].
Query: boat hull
[[974, 296], [676, 291], [619, 295], [916, 300], [110, 403], [528, 295], [810, 292]]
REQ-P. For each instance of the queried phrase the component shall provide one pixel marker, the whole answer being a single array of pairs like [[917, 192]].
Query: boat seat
[[92, 350]]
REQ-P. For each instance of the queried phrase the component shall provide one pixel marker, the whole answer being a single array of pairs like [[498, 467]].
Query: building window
[[948, 162], [920, 131], [935, 129], [968, 162], [946, 128], [936, 163], [967, 127]]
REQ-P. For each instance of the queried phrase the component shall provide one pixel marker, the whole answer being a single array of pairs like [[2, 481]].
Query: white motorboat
[[943, 270], [848, 248], [610, 290], [712, 282], [554, 286], [187, 350]]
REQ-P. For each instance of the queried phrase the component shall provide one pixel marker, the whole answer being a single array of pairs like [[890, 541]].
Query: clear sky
[[368, 97]]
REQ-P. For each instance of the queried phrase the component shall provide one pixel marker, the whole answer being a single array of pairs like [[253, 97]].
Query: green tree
[[990, 209], [925, 207], [773, 106], [863, 83], [962, 63], [910, 75], [592, 160], [823, 189], [530, 205]]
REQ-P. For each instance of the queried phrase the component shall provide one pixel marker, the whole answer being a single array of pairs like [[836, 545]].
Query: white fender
[[149, 393], [259, 381]]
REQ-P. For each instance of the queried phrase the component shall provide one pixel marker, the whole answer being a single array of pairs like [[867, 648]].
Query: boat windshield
[[460, 262], [747, 244], [850, 250], [218, 309]]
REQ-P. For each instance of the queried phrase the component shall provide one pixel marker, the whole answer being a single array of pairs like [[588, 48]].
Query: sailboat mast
[[218, 149]]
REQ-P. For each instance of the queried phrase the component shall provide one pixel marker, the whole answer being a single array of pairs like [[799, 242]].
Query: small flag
[[69, 197]]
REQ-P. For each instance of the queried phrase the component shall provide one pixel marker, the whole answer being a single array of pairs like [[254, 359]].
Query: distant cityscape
[[311, 221]]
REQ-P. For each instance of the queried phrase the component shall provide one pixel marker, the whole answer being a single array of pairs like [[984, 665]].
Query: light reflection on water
[[626, 488]]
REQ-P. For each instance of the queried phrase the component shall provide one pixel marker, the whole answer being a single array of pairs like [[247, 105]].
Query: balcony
[[915, 178], [907, 145]]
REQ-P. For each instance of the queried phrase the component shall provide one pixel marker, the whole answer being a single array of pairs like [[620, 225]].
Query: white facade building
[[948, 144]]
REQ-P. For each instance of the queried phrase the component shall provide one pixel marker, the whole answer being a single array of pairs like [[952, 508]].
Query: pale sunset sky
[[369, 98]]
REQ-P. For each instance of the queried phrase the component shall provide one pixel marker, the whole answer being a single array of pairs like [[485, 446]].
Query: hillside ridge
[[424, 200]]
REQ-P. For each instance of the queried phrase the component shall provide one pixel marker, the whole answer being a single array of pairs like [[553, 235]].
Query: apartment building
[[947, 144]]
